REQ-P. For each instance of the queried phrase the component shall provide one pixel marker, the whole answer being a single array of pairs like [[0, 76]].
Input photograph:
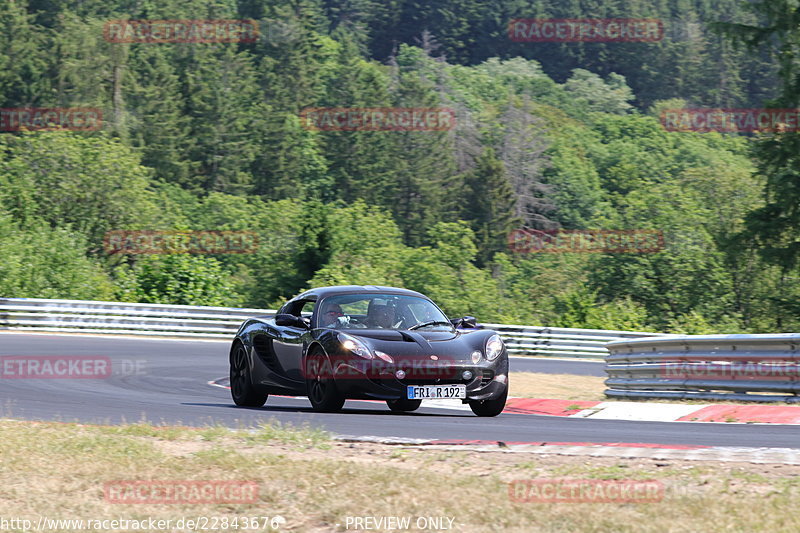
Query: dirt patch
[[556, 386]]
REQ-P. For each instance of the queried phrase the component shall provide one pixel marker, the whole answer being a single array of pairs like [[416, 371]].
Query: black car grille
[[451, 377], [443, 381], [487, 376]]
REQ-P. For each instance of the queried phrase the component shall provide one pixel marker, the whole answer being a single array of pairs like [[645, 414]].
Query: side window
[[300, 308], [308, 308]]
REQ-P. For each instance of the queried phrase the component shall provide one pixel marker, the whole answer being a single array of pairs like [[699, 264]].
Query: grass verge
[[59, 470]]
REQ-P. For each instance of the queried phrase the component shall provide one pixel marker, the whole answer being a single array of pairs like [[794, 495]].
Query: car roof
[[324, 292]]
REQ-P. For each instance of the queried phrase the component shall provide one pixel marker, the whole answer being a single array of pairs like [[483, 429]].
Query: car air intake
[[266, 353]]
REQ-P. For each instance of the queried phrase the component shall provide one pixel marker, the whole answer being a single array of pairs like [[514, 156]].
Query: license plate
[[426, 392]]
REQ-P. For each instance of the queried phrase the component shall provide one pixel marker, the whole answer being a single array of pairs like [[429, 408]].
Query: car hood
[[403, 335]]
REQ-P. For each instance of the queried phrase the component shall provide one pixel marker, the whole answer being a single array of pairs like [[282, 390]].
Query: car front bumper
[[489, 379]]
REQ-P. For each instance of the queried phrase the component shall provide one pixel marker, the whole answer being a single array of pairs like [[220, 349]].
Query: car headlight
[[354, 345], [494, 347]]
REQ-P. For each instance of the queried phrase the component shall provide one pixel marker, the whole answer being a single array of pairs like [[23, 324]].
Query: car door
[[288, 343]]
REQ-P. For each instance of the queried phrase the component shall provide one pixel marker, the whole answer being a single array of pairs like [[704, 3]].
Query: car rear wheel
[[321, 388], [242, 390], [489, 407], [403, 405]]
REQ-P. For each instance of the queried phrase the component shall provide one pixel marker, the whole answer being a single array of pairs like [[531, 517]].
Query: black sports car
[[354, 342]]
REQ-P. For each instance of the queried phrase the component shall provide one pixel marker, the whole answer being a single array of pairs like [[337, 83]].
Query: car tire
[[320, 386], [489, 407], [403, 405], [242, 390]]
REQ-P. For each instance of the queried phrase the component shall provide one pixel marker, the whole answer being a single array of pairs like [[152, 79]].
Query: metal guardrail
[[561, 342], [81, 316], [759, 367]]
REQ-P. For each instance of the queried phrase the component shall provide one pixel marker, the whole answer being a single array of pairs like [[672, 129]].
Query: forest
[[200, 136]]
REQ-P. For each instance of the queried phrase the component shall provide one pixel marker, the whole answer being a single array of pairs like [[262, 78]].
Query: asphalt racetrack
[[167, 381]]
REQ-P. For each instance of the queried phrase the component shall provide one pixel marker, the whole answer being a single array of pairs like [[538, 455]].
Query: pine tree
[[25, 51], [158, 125], [294, 61], [776, 225], [490, 206], [299, 169], [228, 117], [425, 175], [362, 163]]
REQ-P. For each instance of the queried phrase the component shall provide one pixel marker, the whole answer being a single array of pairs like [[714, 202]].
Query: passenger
[[380, 316]]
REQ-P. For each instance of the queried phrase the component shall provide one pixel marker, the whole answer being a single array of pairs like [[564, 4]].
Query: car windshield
[[380, 311]]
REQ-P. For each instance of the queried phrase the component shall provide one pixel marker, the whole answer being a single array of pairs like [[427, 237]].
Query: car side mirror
[[292, 321], [465, 322]]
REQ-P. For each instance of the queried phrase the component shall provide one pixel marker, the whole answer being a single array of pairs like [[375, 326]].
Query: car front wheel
[[489, 407], [321, 389]]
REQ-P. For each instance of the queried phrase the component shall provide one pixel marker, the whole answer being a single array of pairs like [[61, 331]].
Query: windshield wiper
[[431, 323]]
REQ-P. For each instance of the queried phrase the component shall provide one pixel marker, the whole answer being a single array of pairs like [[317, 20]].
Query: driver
[[330, 315]]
